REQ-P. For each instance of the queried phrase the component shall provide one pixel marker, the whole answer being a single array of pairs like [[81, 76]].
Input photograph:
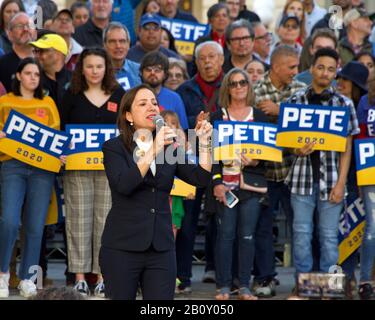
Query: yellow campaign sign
[[85, 161], [364, 151], [29, 155], [182, 189], [85, 151], [33, 143], [352, 242], [185, 47], [254, 139], [323, 141], [366, 177], [253, 151], [300, 124]]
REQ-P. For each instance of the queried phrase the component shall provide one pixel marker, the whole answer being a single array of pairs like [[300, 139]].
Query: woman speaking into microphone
[[137, 244]]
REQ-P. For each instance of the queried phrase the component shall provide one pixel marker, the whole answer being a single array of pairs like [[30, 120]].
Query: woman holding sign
[[92, 99], [237, 177], [138, 244], [25, 188]]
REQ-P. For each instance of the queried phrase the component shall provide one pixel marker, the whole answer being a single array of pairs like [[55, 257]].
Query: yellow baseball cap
[[51, 40]]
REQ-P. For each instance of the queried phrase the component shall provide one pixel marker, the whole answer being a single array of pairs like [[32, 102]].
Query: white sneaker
[[82, 288], [99, 291], [4, 285], [27, 288]]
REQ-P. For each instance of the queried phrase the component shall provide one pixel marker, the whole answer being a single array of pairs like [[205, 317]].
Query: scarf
[[208, 89]]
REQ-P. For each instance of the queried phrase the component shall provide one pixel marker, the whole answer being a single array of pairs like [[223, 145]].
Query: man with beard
[[154, 71], [21, 30], [90, 34]]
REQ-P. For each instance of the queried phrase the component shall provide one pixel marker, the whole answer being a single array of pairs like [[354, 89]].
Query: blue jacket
[[123, 11], [194, 100]]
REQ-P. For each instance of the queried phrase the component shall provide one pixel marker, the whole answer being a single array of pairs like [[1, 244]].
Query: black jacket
[[140, 216], [211, 203]]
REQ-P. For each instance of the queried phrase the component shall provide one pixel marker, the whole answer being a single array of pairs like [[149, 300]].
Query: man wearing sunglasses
[[289, 31], [149, 39]]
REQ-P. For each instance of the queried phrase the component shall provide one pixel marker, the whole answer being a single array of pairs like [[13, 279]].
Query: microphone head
[[158, 121]]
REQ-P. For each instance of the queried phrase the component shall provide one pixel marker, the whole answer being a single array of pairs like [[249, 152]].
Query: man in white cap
[[51, 50], [358, 26]]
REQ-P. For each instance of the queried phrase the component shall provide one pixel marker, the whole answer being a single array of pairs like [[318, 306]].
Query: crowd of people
[[96, 64]]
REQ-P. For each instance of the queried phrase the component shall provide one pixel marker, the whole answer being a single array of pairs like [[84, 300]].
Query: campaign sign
[[327, 126], [185, 33], [33, 143], [181, 188], [254, 139], [364, 150], [351, 228], [85, 152]]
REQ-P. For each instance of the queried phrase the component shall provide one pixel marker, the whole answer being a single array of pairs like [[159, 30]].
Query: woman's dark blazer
[[140, 216]]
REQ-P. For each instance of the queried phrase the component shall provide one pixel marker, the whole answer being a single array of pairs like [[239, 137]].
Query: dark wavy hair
[[79, 84], [16, 84], [4, 4], [126, 130]]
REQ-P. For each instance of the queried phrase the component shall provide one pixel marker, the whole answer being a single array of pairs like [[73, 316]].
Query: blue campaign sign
[[255, 139], [33, 143], [351, 227], [185, 33], [364, 150], [85, 152], [300, 124]]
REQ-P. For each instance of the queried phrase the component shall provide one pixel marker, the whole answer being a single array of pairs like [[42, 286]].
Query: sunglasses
[[234, 84]]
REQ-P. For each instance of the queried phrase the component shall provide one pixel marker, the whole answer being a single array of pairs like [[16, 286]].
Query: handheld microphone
[[159, 121]]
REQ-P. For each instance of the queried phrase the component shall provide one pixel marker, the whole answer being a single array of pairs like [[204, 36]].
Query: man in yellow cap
[[51, 50]]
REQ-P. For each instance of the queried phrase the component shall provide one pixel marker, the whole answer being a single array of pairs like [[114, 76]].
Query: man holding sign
[[317, 179]]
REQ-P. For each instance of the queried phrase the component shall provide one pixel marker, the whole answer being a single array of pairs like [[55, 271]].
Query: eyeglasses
[[156, 69], [234, 84], [266, 36], [21, 26], [151, 27], [177, 76], [239, 39]]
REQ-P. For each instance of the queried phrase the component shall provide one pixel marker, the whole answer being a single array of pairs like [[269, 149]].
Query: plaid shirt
[[265, 90], [300, 177]]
